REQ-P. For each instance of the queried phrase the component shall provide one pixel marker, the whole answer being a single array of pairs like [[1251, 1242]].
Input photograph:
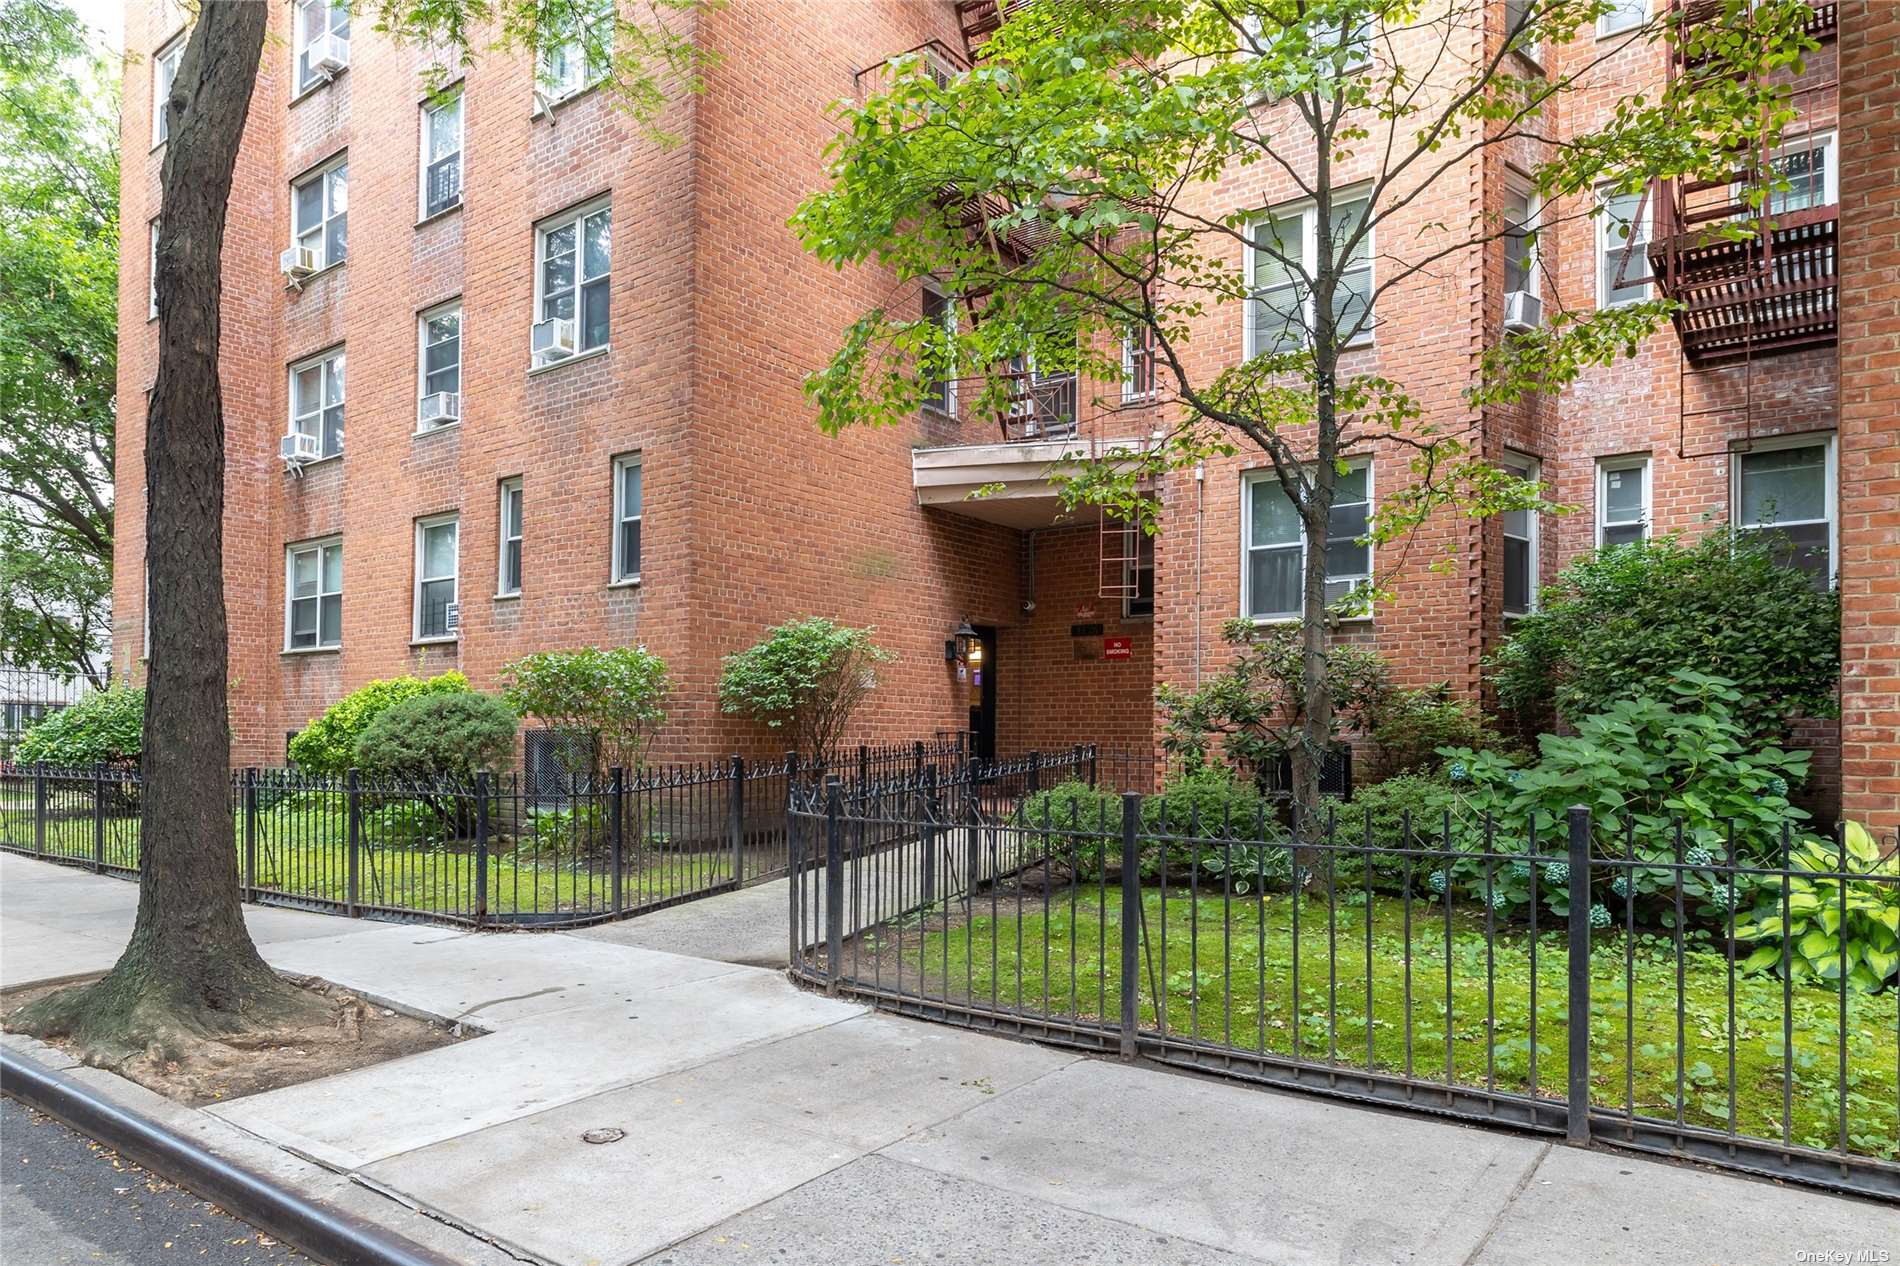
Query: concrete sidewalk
[[763, 1123]]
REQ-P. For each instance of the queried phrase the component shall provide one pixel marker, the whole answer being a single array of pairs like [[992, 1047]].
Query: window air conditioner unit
[[298, 261], [1523, 311], [452, 617], [553, 340], [439, 408], [329, 53], [298, 448]]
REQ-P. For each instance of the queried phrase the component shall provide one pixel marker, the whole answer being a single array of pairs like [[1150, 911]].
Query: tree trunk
[[190, 967]]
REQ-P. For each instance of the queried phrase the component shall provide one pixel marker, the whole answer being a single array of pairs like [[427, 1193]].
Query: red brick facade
[[750, 516]]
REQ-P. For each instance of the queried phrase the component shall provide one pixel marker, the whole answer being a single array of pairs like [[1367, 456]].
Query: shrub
[[808, 676], [1641, 766], [1411, 726], [1256, 706], [1388, 803], [615, 695], [437, 736], [1075, 819], [1235, 830], [1618, 623], [1865, 947], [106, 726], [328, 744]]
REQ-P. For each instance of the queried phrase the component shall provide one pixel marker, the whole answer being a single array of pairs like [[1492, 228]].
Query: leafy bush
[[1411, 726], [616, 695], [1641, 766], [1073, 818], [1820, 945], [808, 676], [1257, 705], [1622, 621], [106, 726], [328, 744], [1235, 830], [435, 736], [1388, 804]]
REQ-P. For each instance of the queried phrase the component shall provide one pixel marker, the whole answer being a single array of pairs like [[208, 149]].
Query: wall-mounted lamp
[[960, 643]]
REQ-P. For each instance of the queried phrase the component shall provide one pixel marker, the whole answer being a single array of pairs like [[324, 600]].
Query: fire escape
[[1747, 297]]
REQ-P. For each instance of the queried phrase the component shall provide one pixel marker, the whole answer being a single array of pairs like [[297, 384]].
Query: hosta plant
[[1840, 916]]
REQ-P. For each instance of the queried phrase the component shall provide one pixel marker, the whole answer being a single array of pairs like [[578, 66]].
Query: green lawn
[[527, 873], [1228, 978]]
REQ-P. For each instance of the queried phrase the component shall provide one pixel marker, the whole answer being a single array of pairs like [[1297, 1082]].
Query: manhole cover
[[606, 1134]]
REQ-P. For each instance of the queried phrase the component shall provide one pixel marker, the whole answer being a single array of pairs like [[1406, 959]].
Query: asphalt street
[[68, 1201]]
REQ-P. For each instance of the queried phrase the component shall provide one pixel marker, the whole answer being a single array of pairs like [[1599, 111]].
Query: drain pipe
[[320, 1230], [1200, 524]]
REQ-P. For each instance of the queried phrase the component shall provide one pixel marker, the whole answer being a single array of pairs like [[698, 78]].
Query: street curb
[[325, 1233]]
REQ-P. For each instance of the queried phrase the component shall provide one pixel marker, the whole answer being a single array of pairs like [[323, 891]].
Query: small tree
[[808, 676], [328, 744], [616, 697], [1257, 704], [1622, 622]]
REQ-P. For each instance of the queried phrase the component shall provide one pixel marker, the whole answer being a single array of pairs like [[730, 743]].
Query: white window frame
[[422, 357], [510, 488], [453, 98], [1307, 209], [1607, 240], [620, 575], [1266, 474], [1828, 440], [151, 273], [319, 547], [1518, 186], [948, 405], [1130, 341], [327, 211], [320, 362], [575, 218], [584, 72], [1606, 466], [1620, 20], [423, 525], [165, 64], [1131, 575], [300, 41], [1524, 466], [1827, 140]]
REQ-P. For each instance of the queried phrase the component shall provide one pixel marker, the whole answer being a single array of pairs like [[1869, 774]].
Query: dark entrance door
[[982, 687]]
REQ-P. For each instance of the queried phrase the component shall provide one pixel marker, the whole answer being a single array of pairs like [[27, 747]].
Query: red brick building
[[568, 364]]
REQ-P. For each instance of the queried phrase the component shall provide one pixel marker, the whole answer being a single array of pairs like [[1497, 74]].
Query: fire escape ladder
[[1121, 550], [1774, 289]]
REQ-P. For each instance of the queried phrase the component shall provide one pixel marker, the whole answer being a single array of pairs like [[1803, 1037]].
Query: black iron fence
[[1437, 970]]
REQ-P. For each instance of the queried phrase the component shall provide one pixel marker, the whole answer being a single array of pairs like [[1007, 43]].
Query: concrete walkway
[[765, 1124]]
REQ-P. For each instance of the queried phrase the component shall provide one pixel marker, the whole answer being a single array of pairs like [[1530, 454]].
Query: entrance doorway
[[982, 688]]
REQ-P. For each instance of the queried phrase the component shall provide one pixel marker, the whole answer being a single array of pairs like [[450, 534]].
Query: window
[[437, 612], [1281, 311], [151, 277], [1274, 547], [1622, 500], [1809, 167], [1623, 15], [1520, 544], [1138, 575], [1520, 247], [1622, 263], [941, 392], [572, 256], [1787, 487], [1138, 362], [1351, 48], [313, 596], [164, 74], [627, 519], [508, 583], [441, 155], [316, 20], [316, 400], [440, 358], [319, 210], [579, 56]]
